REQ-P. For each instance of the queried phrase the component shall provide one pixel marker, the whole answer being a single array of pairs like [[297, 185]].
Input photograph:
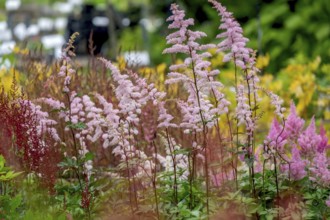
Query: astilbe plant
[[92, 119], [187, 157]]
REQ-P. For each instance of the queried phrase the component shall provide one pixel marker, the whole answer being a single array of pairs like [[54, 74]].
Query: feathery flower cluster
[[234, 42], [294, 124], [297, 165], [96, 124], [320, 171], [44, 124], [277, 102], [276, 138], [133, 93], [66, 72], [323, 145], [307, 148], [110, 124], [197, 78], [126, 92], [243, 111], [308, 140], [148, 91]]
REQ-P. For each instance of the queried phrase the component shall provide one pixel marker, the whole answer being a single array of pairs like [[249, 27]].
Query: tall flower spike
[[195, 74], [275, 138], [320, 171], [179, 37], [297, 165], [243, 112], [126, 92], [165, 118], [323, 145], [234, 42], [294, 124], [309, 141], [44, 125], [277, 102]]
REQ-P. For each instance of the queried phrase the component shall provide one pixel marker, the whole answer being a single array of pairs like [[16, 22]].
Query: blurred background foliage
[[281, 28]]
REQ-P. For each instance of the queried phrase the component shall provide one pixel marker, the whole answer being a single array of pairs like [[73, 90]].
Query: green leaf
[[2, 162], [89, 156], [195, 213], [79, 126], [15, 202]]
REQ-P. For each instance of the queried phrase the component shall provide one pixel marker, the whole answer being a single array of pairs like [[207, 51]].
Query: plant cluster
[[125, 146]]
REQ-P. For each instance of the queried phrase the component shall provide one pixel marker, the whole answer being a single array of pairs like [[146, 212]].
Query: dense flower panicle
[[44, 124], [191, 117], [277, 102], [148, 91], [234, 42], [132, 93], [55, 104], [221, 102], [177, 18], [110, 122], [197, 77], [179, 37], [294, 124], [323, 145], [308, 140], [253, 81], [320, 170], [297, 165], [308, 149], [276, 138], [243, 110], [126, 93], [66, 71], [93, 119]]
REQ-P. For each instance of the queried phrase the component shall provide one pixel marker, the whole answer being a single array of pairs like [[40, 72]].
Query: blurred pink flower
[[275, 138], [308, 140], [323, 145], [294, 124]]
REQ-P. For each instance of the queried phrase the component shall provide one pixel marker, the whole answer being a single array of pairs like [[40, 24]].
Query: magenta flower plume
[[297, 165], [309, 141], [234, 42], [320, 171], [323, 145], [294, 124], [276, 138]]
